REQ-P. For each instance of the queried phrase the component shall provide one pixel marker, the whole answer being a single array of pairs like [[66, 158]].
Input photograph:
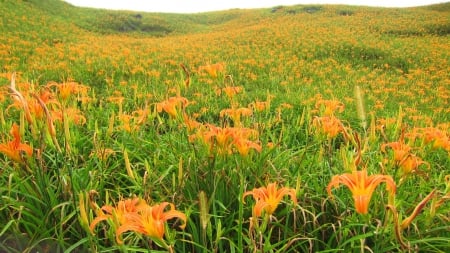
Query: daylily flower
[[172, 105], [268, 198], [400, 149], [330, 126], [411, 163], [3, 93], [259, 106], [437, 137], [212, 69], [71, 113], [15, 149], [236, 113], [329, 106], [136, 215], [362, 187], [244, 145], [119, 213], [150, 221], [141, 116], [68, 88], [223, 140], [190, 123], [230, 91], [407, 162], [125, 120], [34, 105], [117, 98]]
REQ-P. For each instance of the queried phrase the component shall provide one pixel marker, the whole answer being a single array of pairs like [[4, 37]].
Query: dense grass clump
[[290, 129]]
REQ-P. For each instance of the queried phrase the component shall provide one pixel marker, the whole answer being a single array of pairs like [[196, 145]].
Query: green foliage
[[114, 138], [370, 57]]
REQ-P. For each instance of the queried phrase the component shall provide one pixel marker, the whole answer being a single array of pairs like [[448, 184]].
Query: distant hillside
[[37, 14], [61, 18]]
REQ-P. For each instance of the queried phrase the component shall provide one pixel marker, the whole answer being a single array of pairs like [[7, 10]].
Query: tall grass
[[200, 118]]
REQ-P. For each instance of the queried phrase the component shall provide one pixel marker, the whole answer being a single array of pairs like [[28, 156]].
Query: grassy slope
[[60, 17], [50, 40], [32, 28], [107, 21], [156, 24]]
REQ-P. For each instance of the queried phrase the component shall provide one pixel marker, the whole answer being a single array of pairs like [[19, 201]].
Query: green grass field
[[307, 128]]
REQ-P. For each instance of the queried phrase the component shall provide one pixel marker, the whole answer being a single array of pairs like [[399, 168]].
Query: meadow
[[306, 128]]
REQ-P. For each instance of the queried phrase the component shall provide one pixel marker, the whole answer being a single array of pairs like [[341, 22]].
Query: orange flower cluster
[[407, 161], [36, 104], [134, 121], [67, 89], [329, 107], [43, 107], [227, 140], [434, 136], [43, 104], [329, 126], [172, 105], [230, 91], [362, 187], [15, 149], [268, 198], [259, 106], [235, 114], [212, 69], [136, 215]]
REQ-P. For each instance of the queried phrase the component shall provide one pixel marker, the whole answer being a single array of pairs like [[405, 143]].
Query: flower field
[[302, 128]]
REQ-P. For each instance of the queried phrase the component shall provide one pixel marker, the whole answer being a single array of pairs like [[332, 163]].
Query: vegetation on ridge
[[306, 128]]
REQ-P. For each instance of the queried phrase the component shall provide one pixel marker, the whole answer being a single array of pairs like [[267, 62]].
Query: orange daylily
[[212, 69], [70, 113], [400, 149], [141, 116], [150, 221], [268, 198], [236, 113], [230, 91], [119, 212], [172, 105], [329, 106], [362, 187], [329, 126], [190, 123], [435, 136], [34, 105], [136, 215], [259, 106], [68, 88], [411, 163], [15, 149], [116, 98], [224, 139], [244, 145], [219, 137], [408, 162]]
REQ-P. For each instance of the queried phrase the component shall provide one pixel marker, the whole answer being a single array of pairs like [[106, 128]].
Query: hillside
[[132, 132], [29, 27], [56, 12], [60, 13]]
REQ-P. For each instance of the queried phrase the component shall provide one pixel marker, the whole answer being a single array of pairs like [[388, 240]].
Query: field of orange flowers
[[291, 129]]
